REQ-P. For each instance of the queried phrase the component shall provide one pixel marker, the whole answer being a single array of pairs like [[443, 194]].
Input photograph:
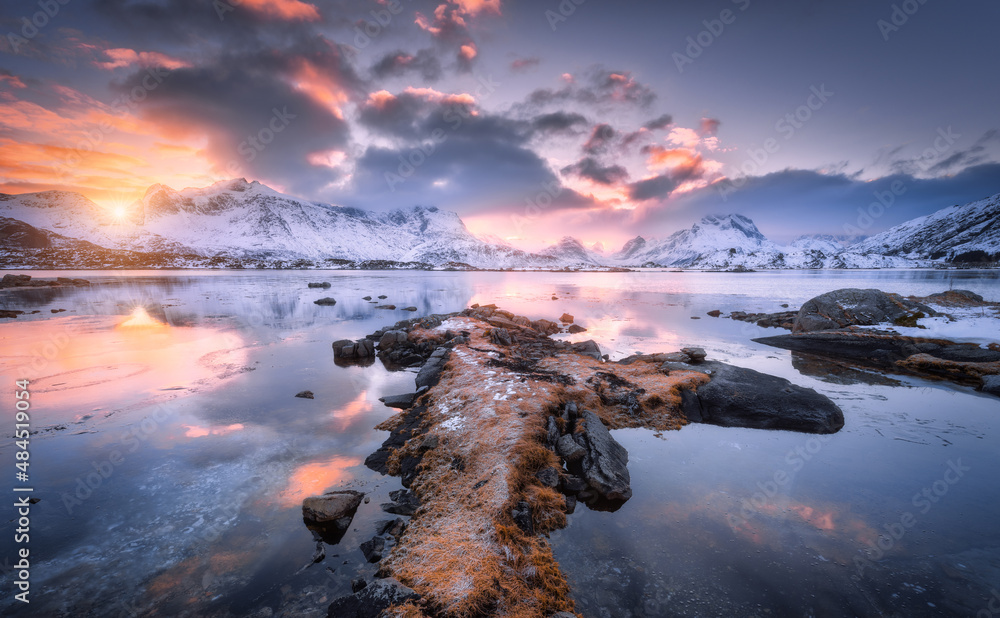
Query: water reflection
[[192, 377]]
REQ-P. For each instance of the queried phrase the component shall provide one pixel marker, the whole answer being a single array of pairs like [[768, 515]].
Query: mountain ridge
[[238, 220]]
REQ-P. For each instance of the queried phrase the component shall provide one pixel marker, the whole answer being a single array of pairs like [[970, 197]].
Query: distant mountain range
[[240, 224]]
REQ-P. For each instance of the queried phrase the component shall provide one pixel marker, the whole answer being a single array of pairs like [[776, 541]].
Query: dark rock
[[548, 476], [10, 313], [325, 301], [587, 348], [697, 355], [851, 306], [501, 337], [357, 585], [305, 394], [567, 318], [366, 298], [383, 297], [572, 484], [715, 313], [409, 427], [386, 307], [392, 527], [430, 373], [740, 397], [409, 308], [12, 281], [522, 517], [569, 450], [570, 507], [552, 431], [392, 338], [373, 548], [57, 310], [374, 599], [364, 348], [605, 464], [399, 401], [404, 502], [324, 285], [576, 328], [991, 385]]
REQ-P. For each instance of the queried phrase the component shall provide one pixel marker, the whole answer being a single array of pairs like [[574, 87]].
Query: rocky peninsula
[[507, 432]]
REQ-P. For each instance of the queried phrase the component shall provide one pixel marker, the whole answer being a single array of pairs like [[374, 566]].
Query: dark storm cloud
[[255, 123], [559, 122], [652, 188], [414, 117], [600, 87], [397, 63], [661, 122], [975, 154], [600, 136], [472, 174], [590, 169]]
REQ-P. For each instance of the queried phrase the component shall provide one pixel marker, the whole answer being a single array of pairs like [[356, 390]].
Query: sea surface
[[171, 456]]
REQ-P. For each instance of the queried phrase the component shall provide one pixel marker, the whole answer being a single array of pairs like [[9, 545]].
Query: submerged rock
[[326, 301], [740, 397], [373, 548], [372, 600]]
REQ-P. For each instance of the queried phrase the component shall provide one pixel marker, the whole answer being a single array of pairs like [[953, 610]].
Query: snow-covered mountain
[[571, 252], [732, 241], [242, 224], [248, 220], [944, 234]]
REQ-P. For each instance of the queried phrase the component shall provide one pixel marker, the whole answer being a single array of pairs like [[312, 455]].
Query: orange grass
[[462, 552]]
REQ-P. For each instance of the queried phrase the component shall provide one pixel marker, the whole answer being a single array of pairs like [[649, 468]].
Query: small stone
[[697, 354], [555, 298], [716, 313], [323, 284], [383, 297], [366, 298], [326, 301], [576, 328], [305, 395], [409, 309], [373, 548], [566, 318], [386, 307]]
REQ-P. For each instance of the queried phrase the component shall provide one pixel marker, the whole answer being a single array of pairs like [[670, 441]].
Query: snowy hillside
[[943, 234]]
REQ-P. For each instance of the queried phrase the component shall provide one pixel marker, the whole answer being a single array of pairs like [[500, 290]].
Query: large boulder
[[391, 338], [605, 464], [854, 307], [372, 600], [330, 515], [740, 397]]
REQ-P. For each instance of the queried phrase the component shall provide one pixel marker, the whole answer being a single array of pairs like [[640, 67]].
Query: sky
[[533, 120]]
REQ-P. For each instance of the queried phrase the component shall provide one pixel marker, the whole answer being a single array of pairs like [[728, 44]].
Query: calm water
[[171, 456]]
